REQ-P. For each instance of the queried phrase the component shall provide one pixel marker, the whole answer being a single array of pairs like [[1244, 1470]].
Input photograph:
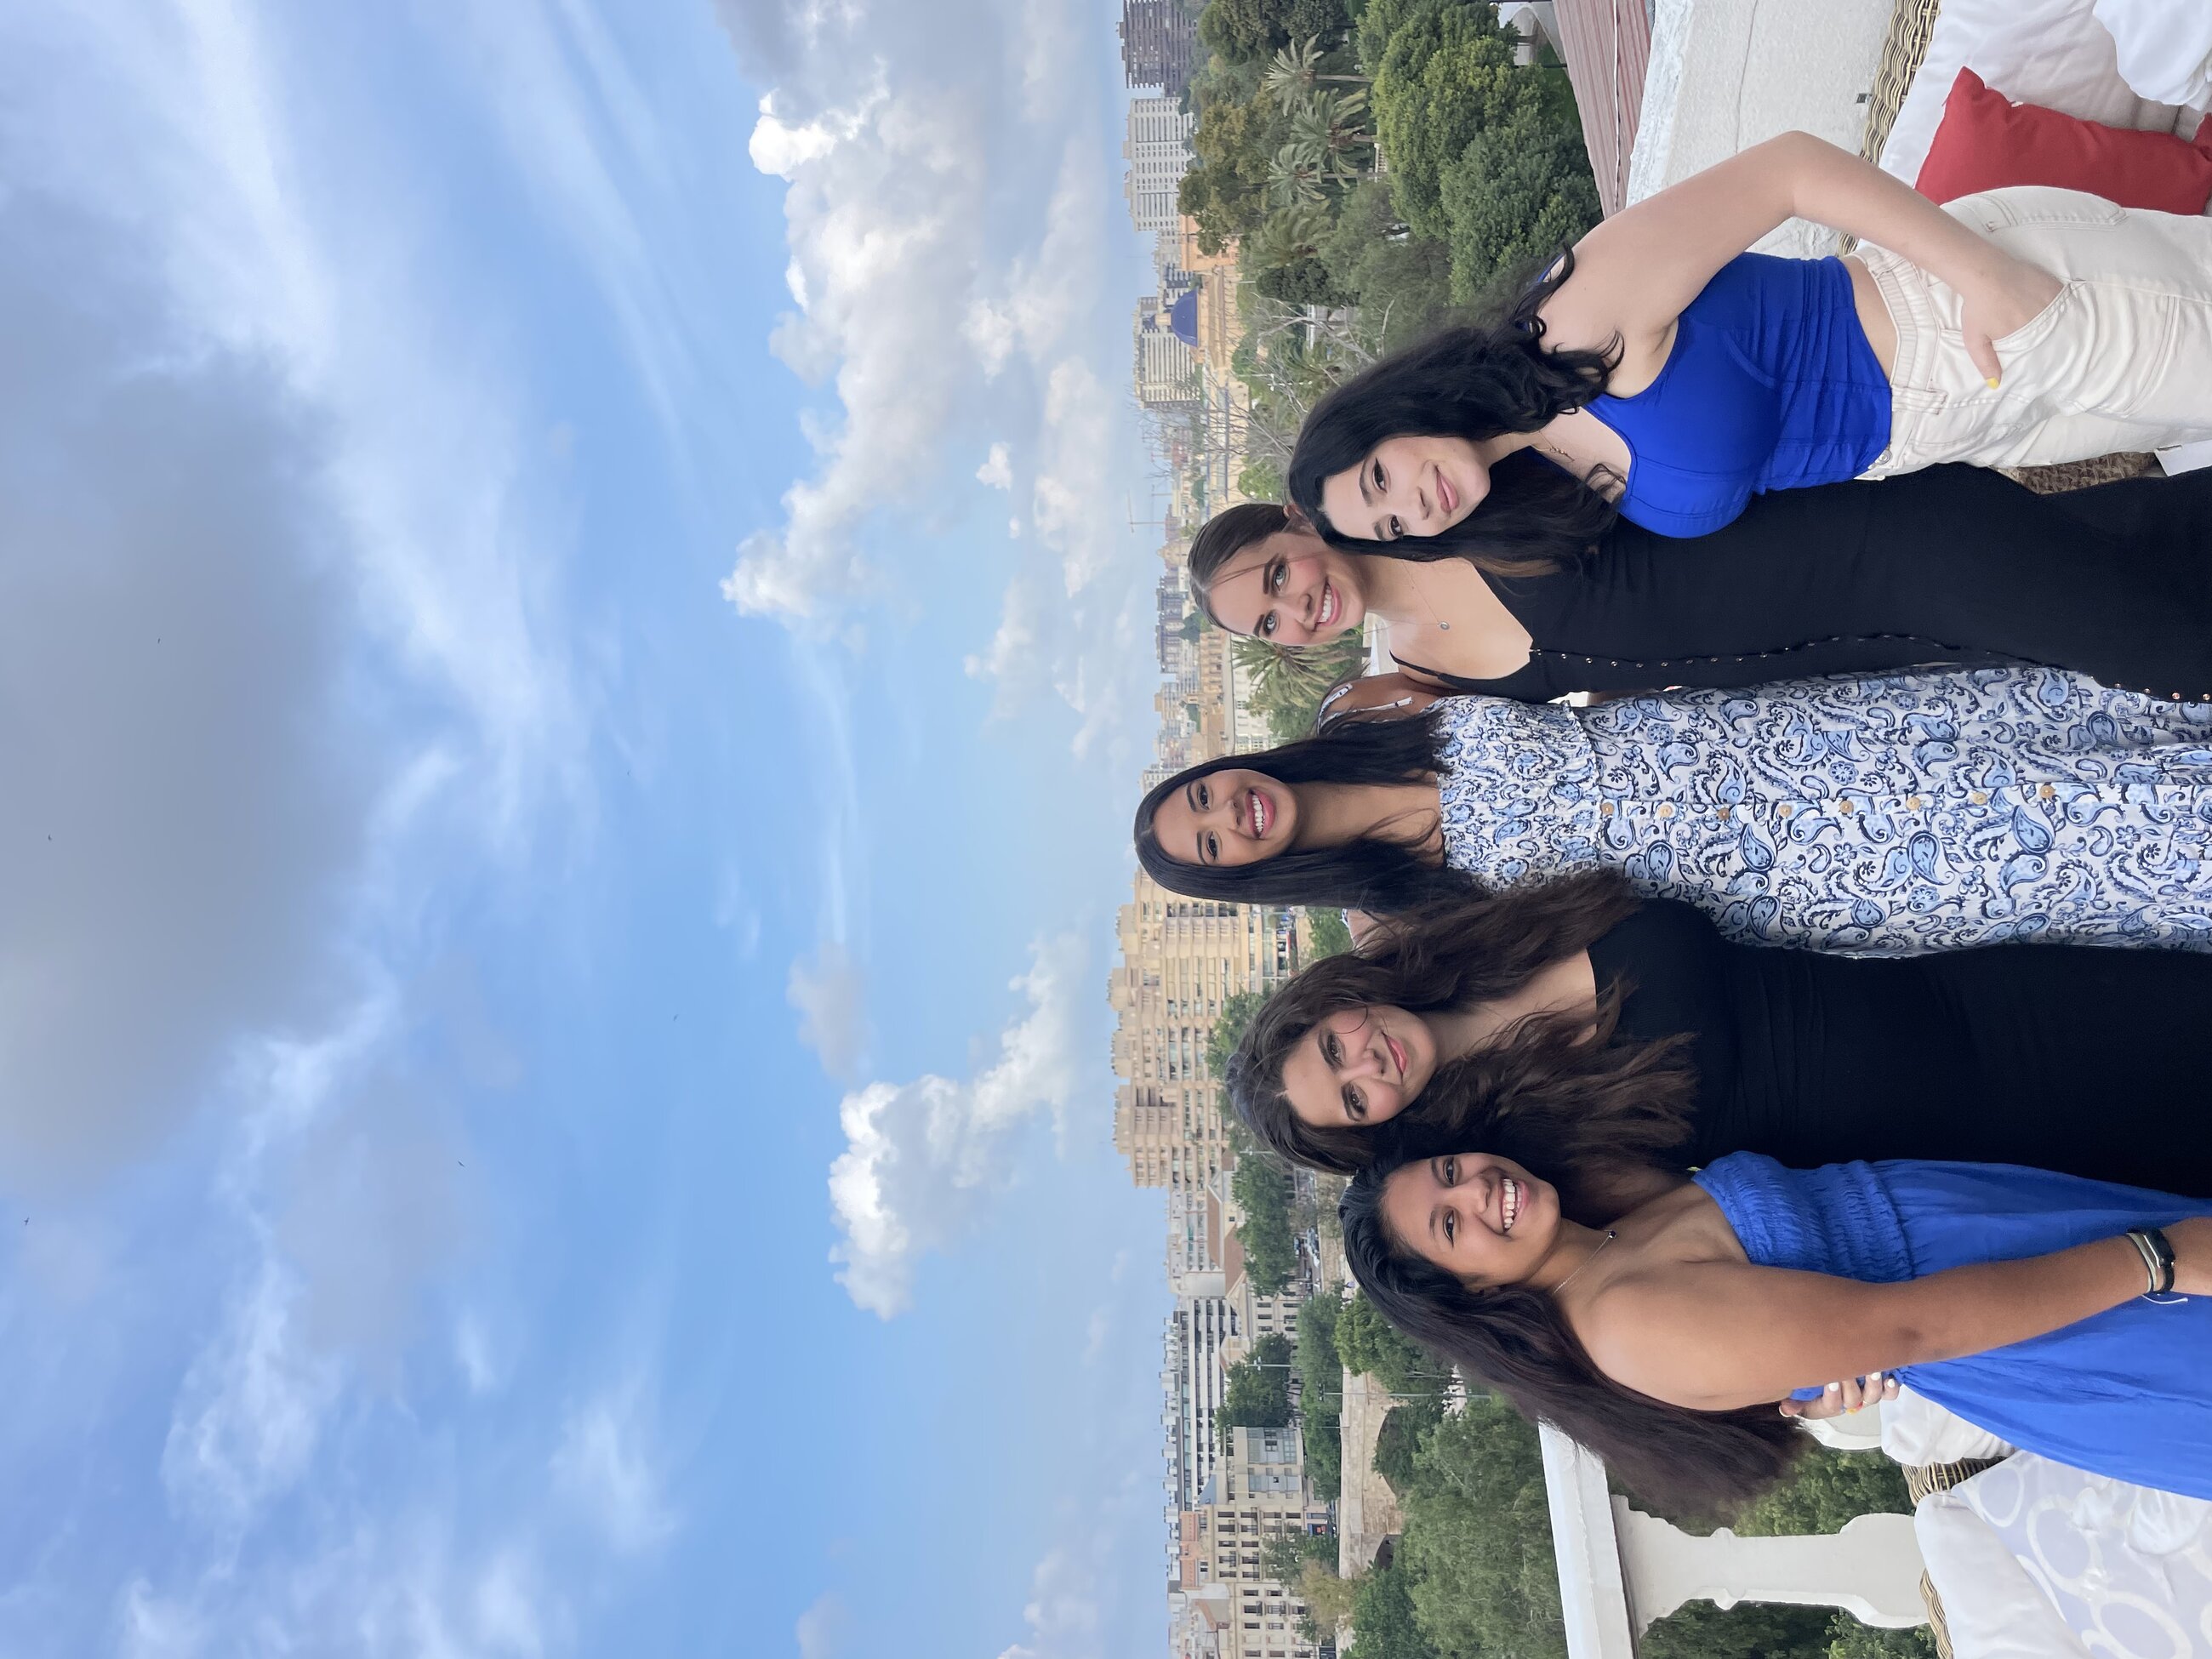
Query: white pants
[[2121, 360]]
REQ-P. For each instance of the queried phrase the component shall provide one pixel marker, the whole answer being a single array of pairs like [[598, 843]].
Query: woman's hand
[[1842, 1398], [2013, 296], [2192, 1256]]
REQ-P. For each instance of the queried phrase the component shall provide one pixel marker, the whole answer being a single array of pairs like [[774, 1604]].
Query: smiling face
[[1228, 817], [1483, 1218], [1407, 486], [1291, 587], [1359, 1067]]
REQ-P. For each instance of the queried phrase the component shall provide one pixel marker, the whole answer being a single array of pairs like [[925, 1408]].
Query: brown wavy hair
[[1558, 1090]]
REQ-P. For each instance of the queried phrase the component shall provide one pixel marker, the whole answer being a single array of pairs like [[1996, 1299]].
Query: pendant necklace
[[1609, 1236]]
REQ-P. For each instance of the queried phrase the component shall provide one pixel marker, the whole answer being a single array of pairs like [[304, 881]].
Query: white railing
[[1620, 1569]]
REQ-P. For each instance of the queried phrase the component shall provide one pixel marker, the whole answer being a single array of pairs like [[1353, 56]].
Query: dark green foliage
[[1370, 1344], [1477, 1539], [1401, 282], [1750, 1630], [1331, 936], [1257, 1391], [1829, 1489], [1321, 1388], [1307, 282], [1517, 195], [1383, 1619], [1263, 1191], [1245, 30], [1400, 1441], [1237, 1010], [1486, 156], [1849, 1639], [1226, 189]]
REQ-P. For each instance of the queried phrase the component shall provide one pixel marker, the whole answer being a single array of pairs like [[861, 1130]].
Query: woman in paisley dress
[[1887, 815]]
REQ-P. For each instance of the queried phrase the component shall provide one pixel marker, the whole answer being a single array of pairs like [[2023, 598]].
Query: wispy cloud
[[908, 172], [608, 1466], [921, 1157], [831, 996]]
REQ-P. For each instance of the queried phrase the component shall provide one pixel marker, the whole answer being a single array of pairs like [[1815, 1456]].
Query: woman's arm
[[1638, 270], [1716, 1335], [1378, 696]]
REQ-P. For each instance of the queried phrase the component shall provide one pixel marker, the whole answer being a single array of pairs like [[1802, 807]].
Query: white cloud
[[606, 1466], [822, 1628], [998, 469], [1063, 1611], [830, 995], [921, 1155]]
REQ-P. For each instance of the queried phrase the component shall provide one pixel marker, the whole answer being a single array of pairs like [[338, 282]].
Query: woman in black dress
[[1497, 1021], [1956, 564]]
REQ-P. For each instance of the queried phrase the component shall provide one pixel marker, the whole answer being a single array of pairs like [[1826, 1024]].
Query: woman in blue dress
[[1661, 362], [1886, 816], [2071, 1318]]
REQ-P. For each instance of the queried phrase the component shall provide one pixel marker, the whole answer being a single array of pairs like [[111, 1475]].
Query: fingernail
[[1993, 383], [1835, 1387]]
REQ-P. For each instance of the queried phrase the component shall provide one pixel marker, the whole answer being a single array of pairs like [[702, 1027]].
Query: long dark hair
[[1514, 1339], [1367, 874], [1473, 382], [1558, 1090]]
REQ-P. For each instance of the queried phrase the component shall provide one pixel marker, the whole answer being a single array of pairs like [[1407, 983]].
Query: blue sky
[[572, 663]]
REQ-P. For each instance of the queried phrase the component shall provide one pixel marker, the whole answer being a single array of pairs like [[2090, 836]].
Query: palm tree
[[1336, 124], [1292, 73], [1287, 684], [1295, 175], [1286, 237]]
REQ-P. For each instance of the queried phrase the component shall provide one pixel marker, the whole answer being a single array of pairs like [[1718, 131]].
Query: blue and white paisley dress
[[1883, 816]]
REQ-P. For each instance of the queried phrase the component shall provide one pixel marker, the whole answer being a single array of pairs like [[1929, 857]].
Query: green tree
[[1370, 1344], [1750, 1630], [1245, 30], [1321, 1391], [1331, 936], [1256, 1390], [1283, 1559], [1518, 193], [1226, 188], [1401, 282], [1398, 1442], [1328, 1600], [1486, 154], [1263, 1191], [1291, 237], [1296, 69], [1382, 1621], [1826, 1492], [1478, 1538], [1237, 1012], [1288, 683], [1260, 480], [1335, 126], [1305, 283]]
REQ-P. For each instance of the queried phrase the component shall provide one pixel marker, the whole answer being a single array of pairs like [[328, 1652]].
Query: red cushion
[[1987, 141]]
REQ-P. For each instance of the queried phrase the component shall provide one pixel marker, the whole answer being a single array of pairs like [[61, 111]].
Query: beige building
[[1257, 1494], [1181, 960]]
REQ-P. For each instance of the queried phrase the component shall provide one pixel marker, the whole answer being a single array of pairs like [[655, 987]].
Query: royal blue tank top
[[1771, 385]]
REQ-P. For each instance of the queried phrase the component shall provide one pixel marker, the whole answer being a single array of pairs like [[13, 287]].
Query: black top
[[2081, 1058], [1955, 564]]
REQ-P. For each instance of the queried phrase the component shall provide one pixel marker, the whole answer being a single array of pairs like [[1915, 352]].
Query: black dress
[[2090, 1061], [1955, 564]]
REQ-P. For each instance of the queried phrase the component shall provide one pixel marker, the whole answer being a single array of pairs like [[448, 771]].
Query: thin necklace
[[1609, 1238]]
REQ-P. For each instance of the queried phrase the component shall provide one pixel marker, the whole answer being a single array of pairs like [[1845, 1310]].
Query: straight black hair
[[1515, 1339], [1473, 382], [1369, 874]]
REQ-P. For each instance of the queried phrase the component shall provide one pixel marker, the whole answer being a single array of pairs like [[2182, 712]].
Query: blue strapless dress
[[2126, 1394]]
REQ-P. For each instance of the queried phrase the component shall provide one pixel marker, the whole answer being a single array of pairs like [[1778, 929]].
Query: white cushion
[[1916, 1430], [1991, 1605], [2051, 52], [2165, 48]]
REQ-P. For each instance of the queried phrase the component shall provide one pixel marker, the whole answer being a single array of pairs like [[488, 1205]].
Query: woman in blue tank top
[[1664, 366], [2071, 1317]]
